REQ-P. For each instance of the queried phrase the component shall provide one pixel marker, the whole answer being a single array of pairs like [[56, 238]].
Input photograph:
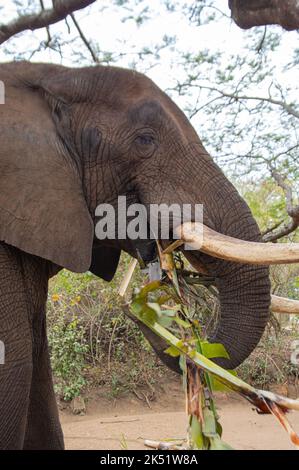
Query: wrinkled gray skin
[[71, 139]]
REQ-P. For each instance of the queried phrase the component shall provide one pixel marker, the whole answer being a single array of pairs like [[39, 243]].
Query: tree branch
[[274, 234], [292, 210], [49, 39], [61, 9], [249, 13], [85, 41], [286, 106]]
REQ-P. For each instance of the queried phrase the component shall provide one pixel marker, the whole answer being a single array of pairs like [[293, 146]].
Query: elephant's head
[[74, 138]]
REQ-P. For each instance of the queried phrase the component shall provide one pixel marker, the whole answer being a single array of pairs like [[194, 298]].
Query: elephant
[[70, 140]]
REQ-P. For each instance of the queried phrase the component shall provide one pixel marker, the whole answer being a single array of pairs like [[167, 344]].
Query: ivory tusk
[[202, 238], [283, 305]]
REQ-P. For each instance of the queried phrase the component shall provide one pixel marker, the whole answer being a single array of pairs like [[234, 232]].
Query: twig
[[120, 421], [127, 279], [110, 344], [145, 397], [163, 445], [49, 40], [85, 41], [236, 97], [43, 19], [292, 210]]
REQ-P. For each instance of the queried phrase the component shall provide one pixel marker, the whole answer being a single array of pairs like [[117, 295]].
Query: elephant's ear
[[42, 205], [104, 262]]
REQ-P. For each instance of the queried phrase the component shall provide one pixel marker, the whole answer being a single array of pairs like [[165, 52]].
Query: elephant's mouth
[[238, 265], [145, 251], [242, 278], [202, 239]]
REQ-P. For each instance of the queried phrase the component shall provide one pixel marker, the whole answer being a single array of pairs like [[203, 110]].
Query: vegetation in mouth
[[164, 307]]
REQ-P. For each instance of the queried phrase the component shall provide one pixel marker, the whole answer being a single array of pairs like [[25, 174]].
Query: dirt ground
[[126, 422]]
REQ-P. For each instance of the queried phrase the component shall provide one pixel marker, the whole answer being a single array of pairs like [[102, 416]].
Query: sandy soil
[[109, 424]]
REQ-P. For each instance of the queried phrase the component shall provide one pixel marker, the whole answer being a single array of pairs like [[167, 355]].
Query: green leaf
[[182, 322], [137, 306], [219, 428], [168, 313], [163, 299], [212, 350], [155, 307], [204, 363], [209, 428], [149, 314], [164, 317], [196, 433], [165, 321], [218, 386], [150, 287], [182, 363], [173, 351], [172, 311], [218, 444]]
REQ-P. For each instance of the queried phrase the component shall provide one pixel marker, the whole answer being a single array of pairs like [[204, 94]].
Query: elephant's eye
[[145, 139], [145, 144]]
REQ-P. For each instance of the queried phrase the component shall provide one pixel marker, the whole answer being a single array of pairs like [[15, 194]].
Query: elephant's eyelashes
[[145, 139], [145, 144]]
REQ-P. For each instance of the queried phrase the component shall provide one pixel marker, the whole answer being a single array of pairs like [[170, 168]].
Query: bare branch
[[274, 234], [61, 9], [293, 211], [271, 229], [49, 39], [85, 41], [283, 104], [249, 13]]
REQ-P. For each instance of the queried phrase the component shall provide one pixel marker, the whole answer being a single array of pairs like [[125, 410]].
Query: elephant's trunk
[[244, 294], [244, 290], [244, 298]]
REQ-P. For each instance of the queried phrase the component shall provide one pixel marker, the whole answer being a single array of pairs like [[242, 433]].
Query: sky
[[114, 28], [103, 23]]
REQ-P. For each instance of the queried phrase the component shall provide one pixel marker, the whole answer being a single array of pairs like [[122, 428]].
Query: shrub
[[91, 341], [68, 348]]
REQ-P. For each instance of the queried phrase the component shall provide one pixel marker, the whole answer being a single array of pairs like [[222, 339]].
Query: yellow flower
[[55, 297], [76, 300]]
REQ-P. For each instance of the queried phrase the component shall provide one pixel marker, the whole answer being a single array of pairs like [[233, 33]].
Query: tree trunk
[[249, 13]]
